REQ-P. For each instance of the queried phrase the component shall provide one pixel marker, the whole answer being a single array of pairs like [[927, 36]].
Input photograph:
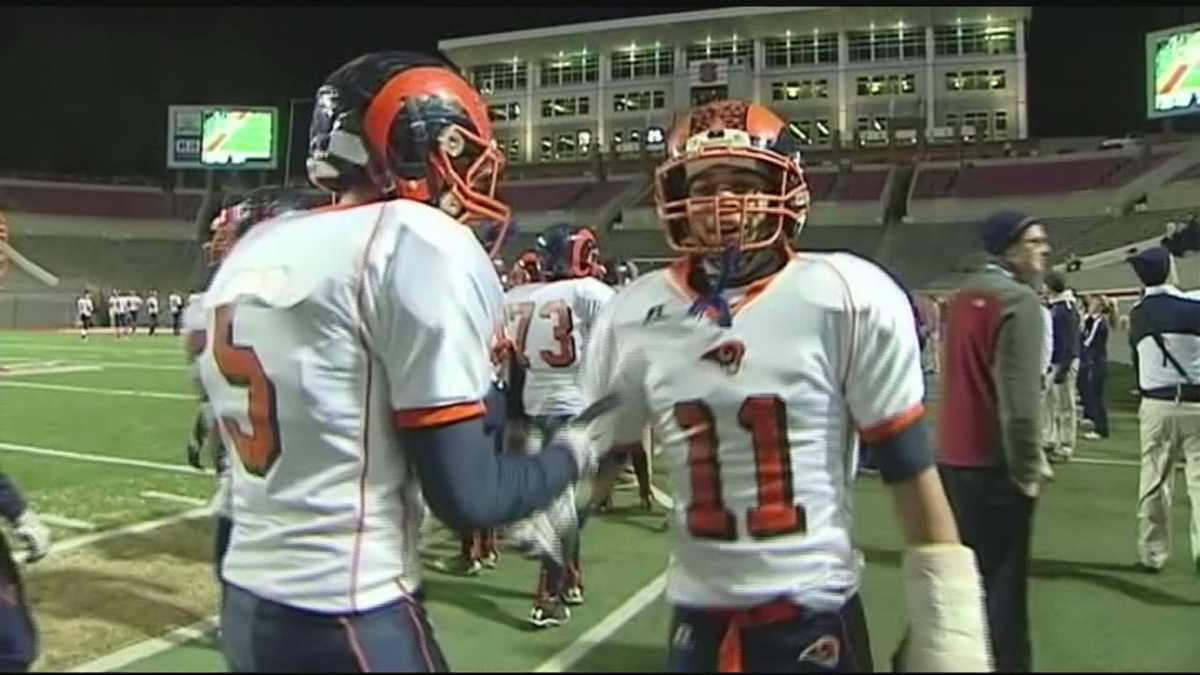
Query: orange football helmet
[[738, 135]]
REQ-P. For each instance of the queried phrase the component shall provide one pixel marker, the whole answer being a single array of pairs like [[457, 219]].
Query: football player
[[135, 307], [85, 307], [176, 303], [348, 368], [549, 322], [152, 310], [18, 633], [236, 217], [760, 370]]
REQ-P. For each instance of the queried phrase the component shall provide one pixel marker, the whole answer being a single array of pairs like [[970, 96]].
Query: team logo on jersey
[[727, 355], [825, 651]]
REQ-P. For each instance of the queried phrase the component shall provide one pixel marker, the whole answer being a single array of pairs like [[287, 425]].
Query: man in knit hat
[[1164, 339], [990, 454]]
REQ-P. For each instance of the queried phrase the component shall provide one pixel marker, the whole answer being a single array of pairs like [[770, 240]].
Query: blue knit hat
[[1001, 229], [1152, 265]]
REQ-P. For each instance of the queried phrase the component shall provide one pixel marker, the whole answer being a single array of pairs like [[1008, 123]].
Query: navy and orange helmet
[[737, 135], [526, 270], [412, 127], [243, 212], [565, 251]]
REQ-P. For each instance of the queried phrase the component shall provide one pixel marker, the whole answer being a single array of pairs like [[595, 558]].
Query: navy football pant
[[777, 637], [258, 635]]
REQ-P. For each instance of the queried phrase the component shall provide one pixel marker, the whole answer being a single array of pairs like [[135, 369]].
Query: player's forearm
[[468, 485], [921, 507]]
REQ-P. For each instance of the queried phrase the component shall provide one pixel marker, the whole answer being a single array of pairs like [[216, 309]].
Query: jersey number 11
[[765, 418]]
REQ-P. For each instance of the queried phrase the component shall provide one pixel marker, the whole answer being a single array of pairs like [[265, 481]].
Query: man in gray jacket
[[990, 457]]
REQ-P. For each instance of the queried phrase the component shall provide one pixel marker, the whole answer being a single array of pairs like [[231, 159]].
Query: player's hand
[[34, 535], [193, 455]]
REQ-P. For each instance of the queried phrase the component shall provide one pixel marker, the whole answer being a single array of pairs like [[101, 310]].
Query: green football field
[[94, 433]]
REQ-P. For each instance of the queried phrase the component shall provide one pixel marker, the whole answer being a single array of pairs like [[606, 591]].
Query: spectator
[[1164, 339], [990, 457], [1094, 363], [1064, 361]]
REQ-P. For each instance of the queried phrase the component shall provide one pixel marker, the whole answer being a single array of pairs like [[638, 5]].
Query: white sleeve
[[610, 367], [884, 384], [437, 315]]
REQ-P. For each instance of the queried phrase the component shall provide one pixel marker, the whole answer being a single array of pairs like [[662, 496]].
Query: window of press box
[[655, 136], [583, 141]]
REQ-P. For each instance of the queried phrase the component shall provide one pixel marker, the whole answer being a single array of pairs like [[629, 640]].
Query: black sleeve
[[516, 390], [904, 455], [468, 485], [12, 504], [496, 404]]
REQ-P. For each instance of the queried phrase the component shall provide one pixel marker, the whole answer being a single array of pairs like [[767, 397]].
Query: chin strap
[[713, 298]]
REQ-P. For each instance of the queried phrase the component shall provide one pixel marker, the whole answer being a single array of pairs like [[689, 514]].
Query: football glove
[[33, 534], [948, 628], [547, 532]]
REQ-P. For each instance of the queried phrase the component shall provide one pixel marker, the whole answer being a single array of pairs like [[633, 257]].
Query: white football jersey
[[327, 330], [85, 306], [135, 303], [113, 307], [759, 423], [176, 302], [550, 324], [152, 304]]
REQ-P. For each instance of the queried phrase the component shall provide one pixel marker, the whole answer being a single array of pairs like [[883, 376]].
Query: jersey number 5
[[240, 366], [765, 418]]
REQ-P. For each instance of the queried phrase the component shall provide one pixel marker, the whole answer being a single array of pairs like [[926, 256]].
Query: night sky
[[85, 90]]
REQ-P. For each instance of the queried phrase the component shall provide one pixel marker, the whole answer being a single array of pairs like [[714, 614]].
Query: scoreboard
[[222, 137]]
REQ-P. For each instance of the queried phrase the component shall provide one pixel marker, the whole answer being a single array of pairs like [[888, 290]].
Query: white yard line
[[113, 348], [65, 545], [49, 370], [147, 648], [1076, 459], [69, 523], [104, 459], [596, 635], [169, 497], [97, 390]]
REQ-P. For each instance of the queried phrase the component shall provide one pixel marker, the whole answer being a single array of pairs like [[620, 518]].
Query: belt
[[1189, 393], [729, 654]]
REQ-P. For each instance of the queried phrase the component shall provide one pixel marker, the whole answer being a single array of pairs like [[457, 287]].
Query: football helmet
[[240, 213], [411, 126], [738, 135], [565, 251], [526, 270]]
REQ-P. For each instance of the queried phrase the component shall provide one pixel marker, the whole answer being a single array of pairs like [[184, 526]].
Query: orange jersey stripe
[[431, 417], [893, 425]]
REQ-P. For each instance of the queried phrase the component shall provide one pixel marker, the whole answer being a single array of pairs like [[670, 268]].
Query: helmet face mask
[[410, 127], [733, 180]]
